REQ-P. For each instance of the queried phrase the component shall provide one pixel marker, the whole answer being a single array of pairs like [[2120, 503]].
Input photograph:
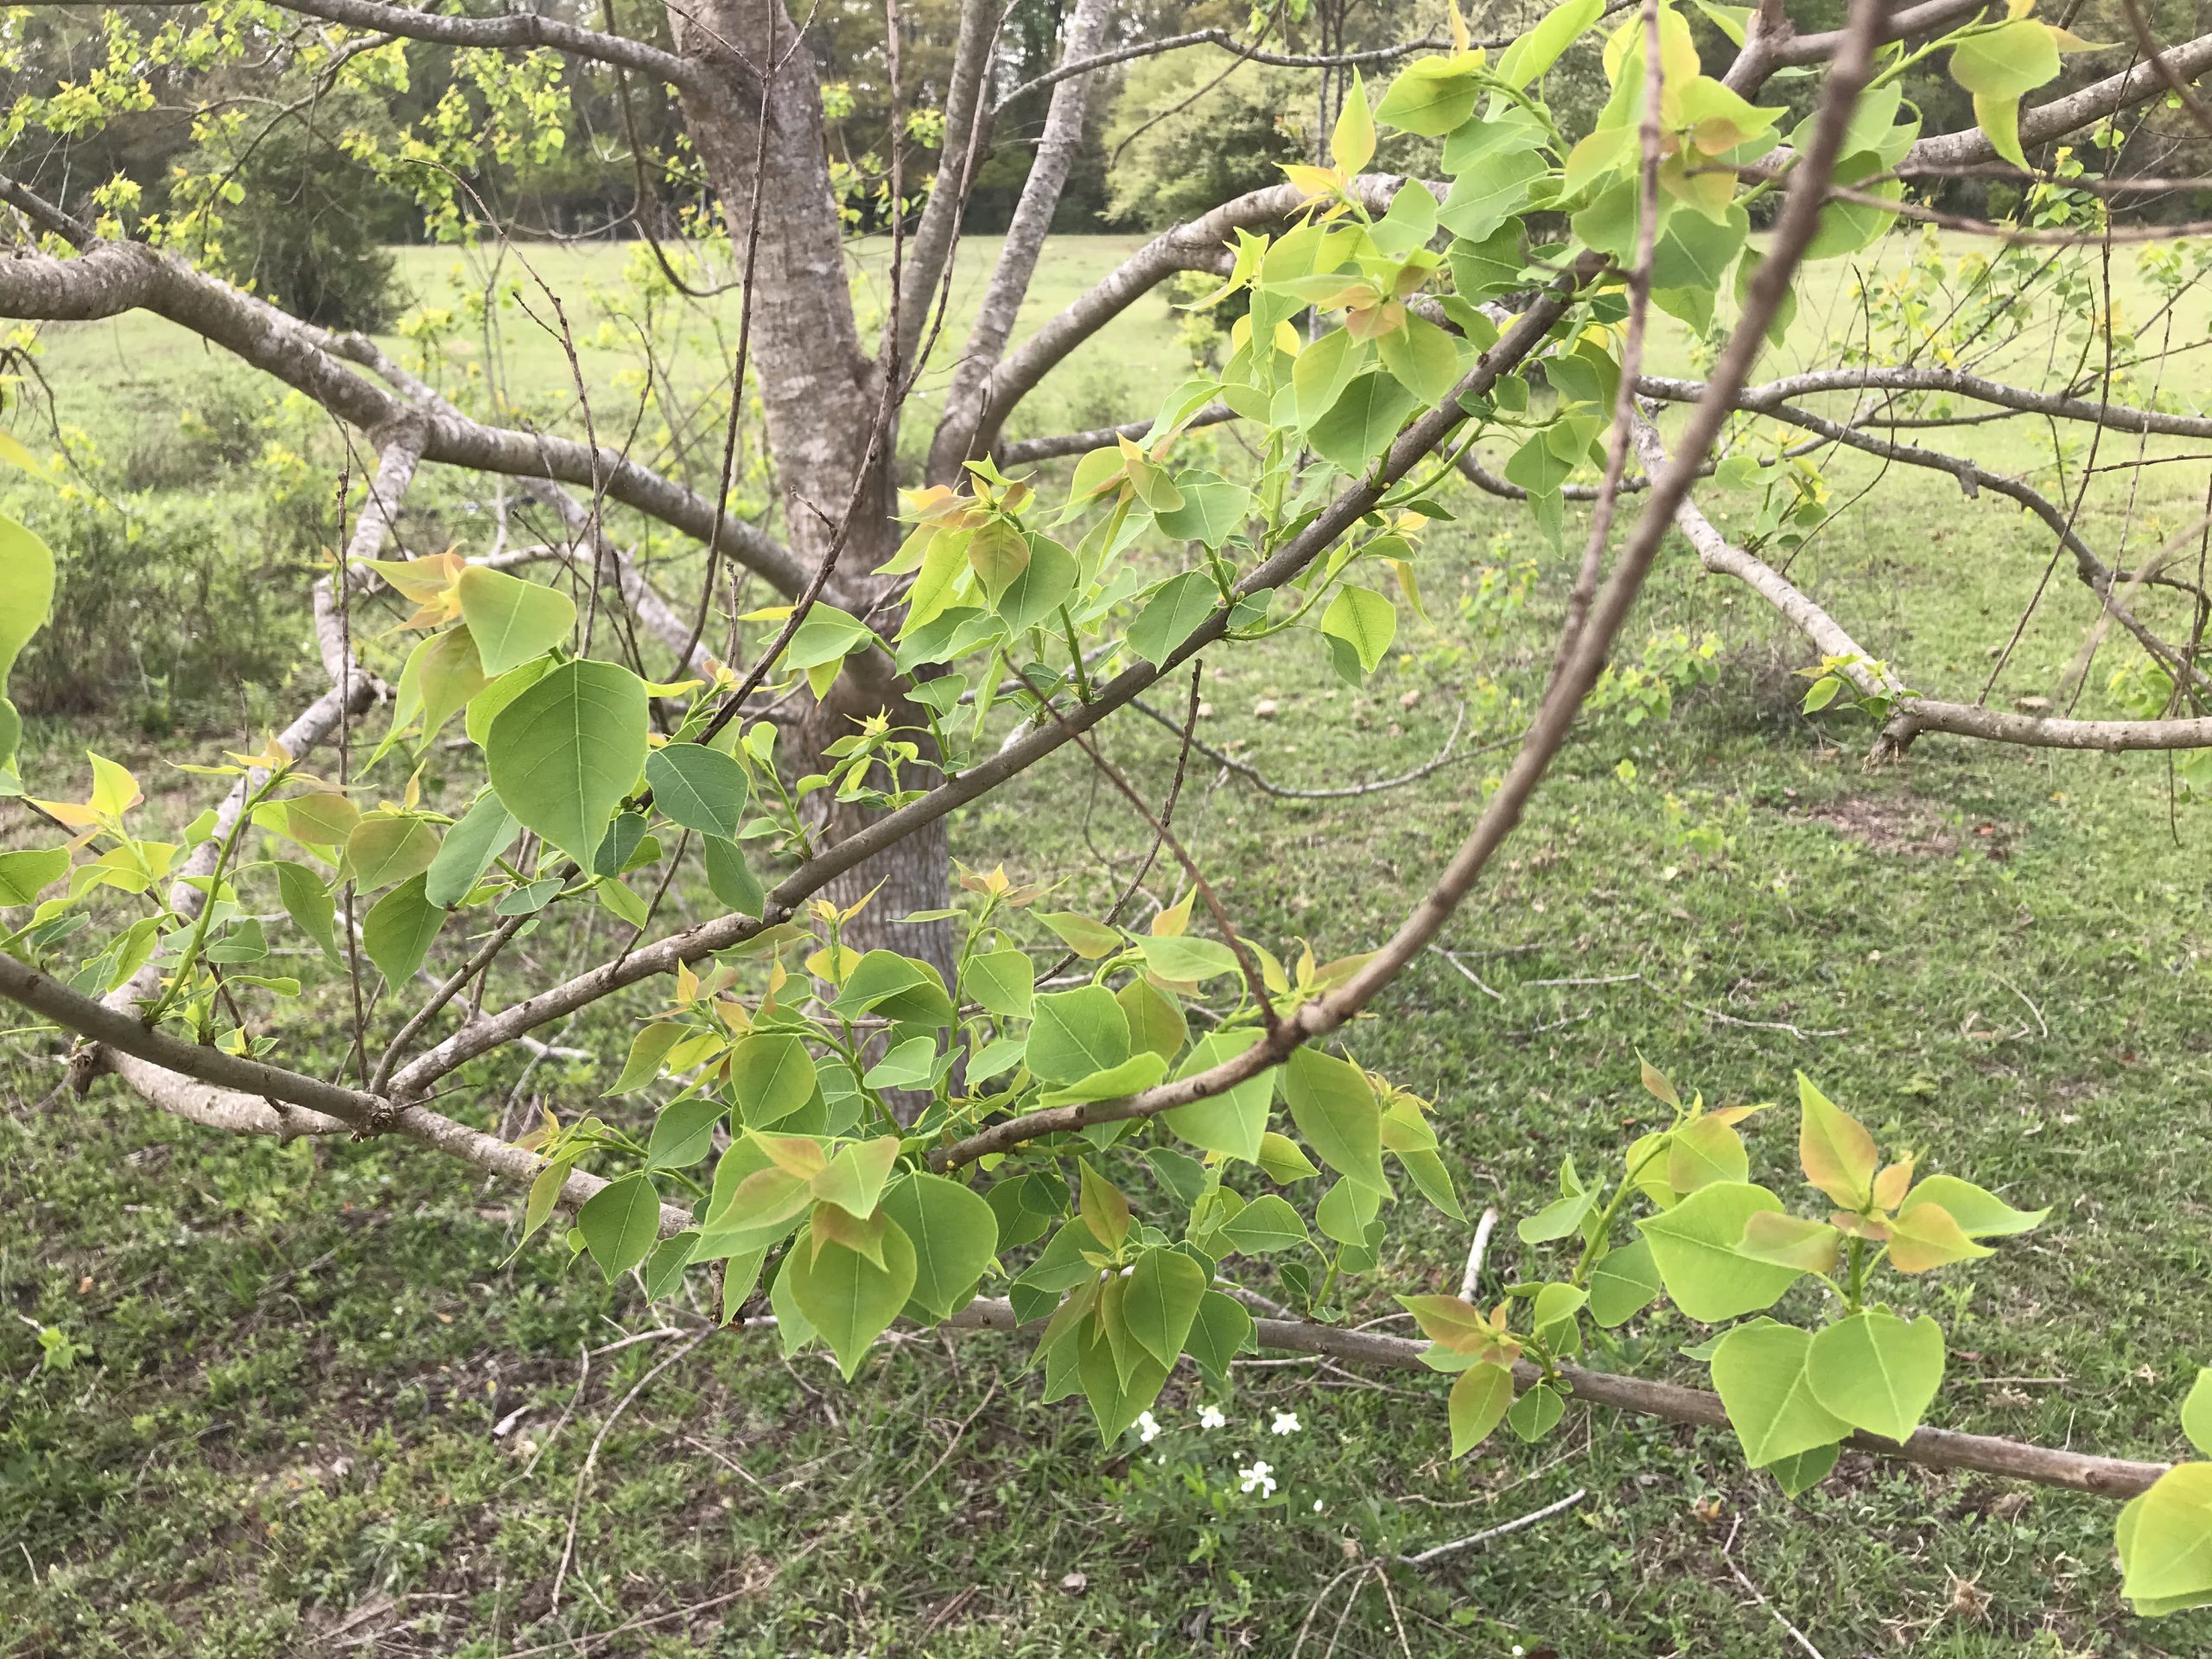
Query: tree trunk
[[820, 394]]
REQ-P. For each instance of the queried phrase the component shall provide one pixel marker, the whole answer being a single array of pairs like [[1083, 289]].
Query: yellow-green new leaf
[[1834, 1147], [1479, 1400], [1334, 1108], [512, 620], [1760, 1371], [849, 1299], [1877, 1371], [1694, 1247]]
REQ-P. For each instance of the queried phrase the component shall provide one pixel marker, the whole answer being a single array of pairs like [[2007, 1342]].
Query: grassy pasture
[[321, 1413]]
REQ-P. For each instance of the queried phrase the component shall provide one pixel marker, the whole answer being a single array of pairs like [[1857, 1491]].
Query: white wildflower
[[1286, 1423], [1316, 1506], [1259, 1478], [1148, 1429], [1211, 1417]]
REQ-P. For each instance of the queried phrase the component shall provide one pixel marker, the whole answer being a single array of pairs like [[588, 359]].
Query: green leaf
[[441, 676], [955, 1236], [1346, 1212], [1623, 1284], [1528, 58], [1537, 1412], [307, 901], [700, 788], [1233, 1123], [1322, 372], [512, 620], [1115, 1394], [647, 1050], [1760, 1371], [1484, 198], [1432, 1179], [731, 878], [1805, 1471], [381, 851], [26, 597], [397, 931], [1352, 142], [1703, 1151], [1877, 1371], [1222, 1330], [684, 1134], [1695, 252], [1999, 121], [486, 706], [771, 1077], [620, 1223], [1693, 1245], [1132, 1077], [855, 1179], [998, 553], [25, 875], [1088, 939], [1171, 615], [1076, 1033], [1212, 509], [2197, 1412], [1422, 358], [847, 1298], [1187, 959], [1364, 620], [485, 831], [564, 753], [1980, 1213], [1156, 1023], [1002, 980], [1431, 96], [1334, 1108], [2013, 58], [1045, 585], [665, 1267], [1266, 1225], [1479, 1402], [2165, 1541], [1282, 1160], [1159, 1300], [1361, 423], [909, 1064]]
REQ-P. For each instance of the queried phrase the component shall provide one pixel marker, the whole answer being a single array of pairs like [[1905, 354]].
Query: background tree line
[[322, 172]]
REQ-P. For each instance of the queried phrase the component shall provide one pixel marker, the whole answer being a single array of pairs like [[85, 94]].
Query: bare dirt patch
[[1904, 828]]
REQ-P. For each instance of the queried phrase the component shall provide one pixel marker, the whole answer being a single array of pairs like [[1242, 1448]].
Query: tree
[[857, 1097]]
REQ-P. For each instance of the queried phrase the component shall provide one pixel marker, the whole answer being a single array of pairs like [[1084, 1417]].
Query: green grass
[[299, 1355]]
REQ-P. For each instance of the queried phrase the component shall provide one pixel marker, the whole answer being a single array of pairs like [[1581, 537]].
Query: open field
[[320, 1412]]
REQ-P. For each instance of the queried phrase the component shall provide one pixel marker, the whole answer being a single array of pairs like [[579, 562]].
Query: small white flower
[[1518, 1650], [1286, 1423], [1211, 1417], [1316, 1506], [1147, 1430], [1259, 1478]]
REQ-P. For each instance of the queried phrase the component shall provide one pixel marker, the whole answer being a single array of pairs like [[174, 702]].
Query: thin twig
[[1475, 1253], [1498, 1531]]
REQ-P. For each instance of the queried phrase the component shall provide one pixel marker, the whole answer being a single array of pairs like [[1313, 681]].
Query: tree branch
[[112, 277], [526, 29], [1932, 1448]]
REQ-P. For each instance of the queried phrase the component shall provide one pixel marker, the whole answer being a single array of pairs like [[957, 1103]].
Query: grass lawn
[[319, 1410]]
